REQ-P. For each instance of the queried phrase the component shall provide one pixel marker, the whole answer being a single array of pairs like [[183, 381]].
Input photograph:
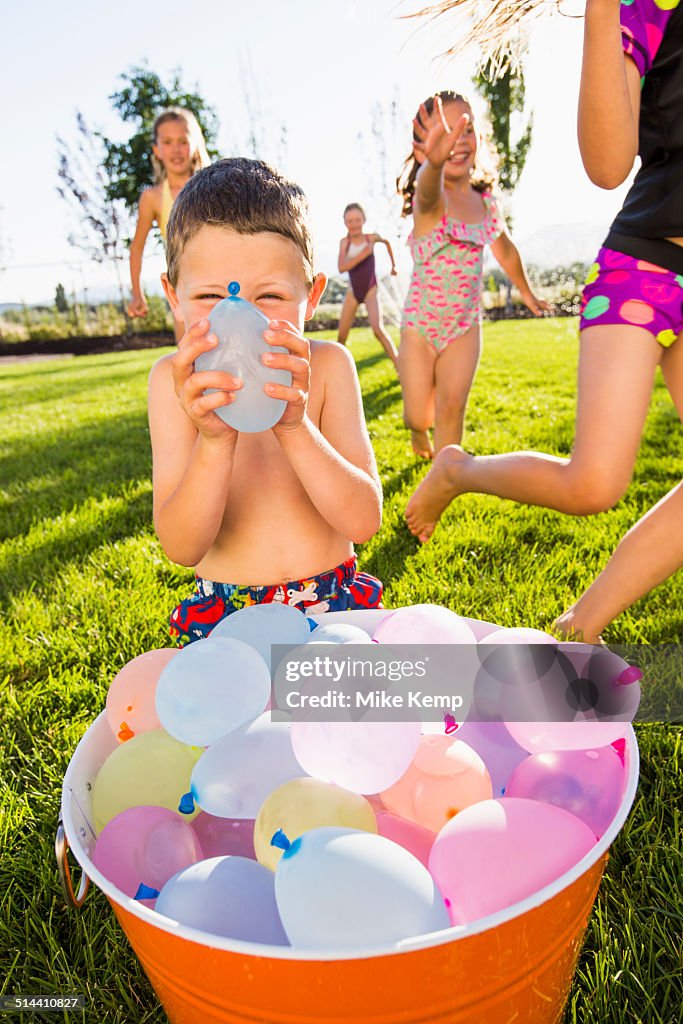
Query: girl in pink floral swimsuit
[[455, 216]]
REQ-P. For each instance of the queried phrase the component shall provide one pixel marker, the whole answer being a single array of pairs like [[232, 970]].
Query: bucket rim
[[409, 945]]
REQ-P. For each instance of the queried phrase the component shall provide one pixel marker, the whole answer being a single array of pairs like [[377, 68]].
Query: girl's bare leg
[[377, 324], [616, 371], [456, 366], [650, 552], [416, 361], [347, 316]]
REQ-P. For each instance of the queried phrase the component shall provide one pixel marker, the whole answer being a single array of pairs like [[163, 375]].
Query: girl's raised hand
[[435, 138], [190, 385], [138, 306], [297, 360]]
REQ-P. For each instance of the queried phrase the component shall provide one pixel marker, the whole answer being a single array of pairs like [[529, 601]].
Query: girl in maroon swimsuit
[[356, 256]]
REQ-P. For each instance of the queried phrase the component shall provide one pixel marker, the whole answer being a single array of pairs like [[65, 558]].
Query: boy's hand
[[435, 138], [190, 385], [297, 360], [537, 306]]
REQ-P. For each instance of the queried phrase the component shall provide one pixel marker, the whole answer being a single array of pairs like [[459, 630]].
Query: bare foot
[[422, 444], [436, 491], [569, 628]]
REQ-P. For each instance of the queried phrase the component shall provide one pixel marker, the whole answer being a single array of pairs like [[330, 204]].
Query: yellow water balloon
[[302, 804], [150, 769]]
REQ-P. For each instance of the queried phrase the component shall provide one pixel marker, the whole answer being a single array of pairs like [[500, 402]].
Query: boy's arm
[[609, 98], [192, 467], [336, 464], [507, 254], [146, 214]]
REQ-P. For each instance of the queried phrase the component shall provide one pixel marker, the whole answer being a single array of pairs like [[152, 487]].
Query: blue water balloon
[[235, 775], [340, 633], [263, 625], [239, 327], [210, 688], [230, 896], [339, 888]]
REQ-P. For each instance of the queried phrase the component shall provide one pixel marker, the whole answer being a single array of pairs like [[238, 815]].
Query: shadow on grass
[[377, 402], [39, 566], [92, 461], [367, 361], [30, 391]]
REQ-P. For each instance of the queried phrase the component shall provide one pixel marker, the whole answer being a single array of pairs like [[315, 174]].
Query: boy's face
[[268, 268]]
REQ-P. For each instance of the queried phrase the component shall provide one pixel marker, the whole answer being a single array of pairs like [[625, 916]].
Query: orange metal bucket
[[513, 966]]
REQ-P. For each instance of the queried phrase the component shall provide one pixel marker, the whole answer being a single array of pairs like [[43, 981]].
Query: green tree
[[141, 98], [505, 94], [61, 301]]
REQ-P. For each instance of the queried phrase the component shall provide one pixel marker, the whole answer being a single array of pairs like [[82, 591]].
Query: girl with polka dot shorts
[[630, 104], [621, 289]]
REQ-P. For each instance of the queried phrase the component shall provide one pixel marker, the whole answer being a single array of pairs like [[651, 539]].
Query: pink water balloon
[[498, 852], [130, 699], [365, 757], [588, 783], [221, 837], [539, 737], [445, 777], [145, 846], [411, 837], [424, 624], [518, 635]]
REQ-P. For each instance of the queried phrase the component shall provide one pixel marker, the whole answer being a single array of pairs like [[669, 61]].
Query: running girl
[[357, 257], [178, 151], [455, 215]]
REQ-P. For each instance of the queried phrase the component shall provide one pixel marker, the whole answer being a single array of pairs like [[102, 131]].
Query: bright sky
[[317, 66]]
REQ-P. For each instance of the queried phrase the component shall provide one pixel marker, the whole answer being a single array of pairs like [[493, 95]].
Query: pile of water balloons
[[346, 835]]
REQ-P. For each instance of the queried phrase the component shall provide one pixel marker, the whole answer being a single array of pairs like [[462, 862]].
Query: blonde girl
[[178, 150]]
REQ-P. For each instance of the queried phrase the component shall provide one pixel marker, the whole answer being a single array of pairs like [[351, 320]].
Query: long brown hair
[[484, 176]]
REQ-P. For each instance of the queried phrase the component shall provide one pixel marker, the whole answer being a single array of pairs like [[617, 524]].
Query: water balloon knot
[[186, 805], [280, 840], [628, 676], [146, 892], [233, 289]]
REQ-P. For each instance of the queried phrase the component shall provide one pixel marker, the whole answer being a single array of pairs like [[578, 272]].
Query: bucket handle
[[61, 853]]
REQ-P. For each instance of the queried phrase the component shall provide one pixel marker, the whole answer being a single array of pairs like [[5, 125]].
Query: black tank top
[[653, 208]]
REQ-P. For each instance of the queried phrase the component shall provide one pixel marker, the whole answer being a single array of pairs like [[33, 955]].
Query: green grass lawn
[[85, 587]]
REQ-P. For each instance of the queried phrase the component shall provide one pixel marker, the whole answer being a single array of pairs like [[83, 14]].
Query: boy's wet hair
[[484, 174], [245, 195]]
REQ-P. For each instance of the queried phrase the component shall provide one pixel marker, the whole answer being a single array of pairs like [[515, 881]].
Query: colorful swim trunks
[[334, 591], [621, 289]]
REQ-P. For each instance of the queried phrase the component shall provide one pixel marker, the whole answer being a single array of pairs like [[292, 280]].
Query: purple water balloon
[[588, 783], [220, 837]]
